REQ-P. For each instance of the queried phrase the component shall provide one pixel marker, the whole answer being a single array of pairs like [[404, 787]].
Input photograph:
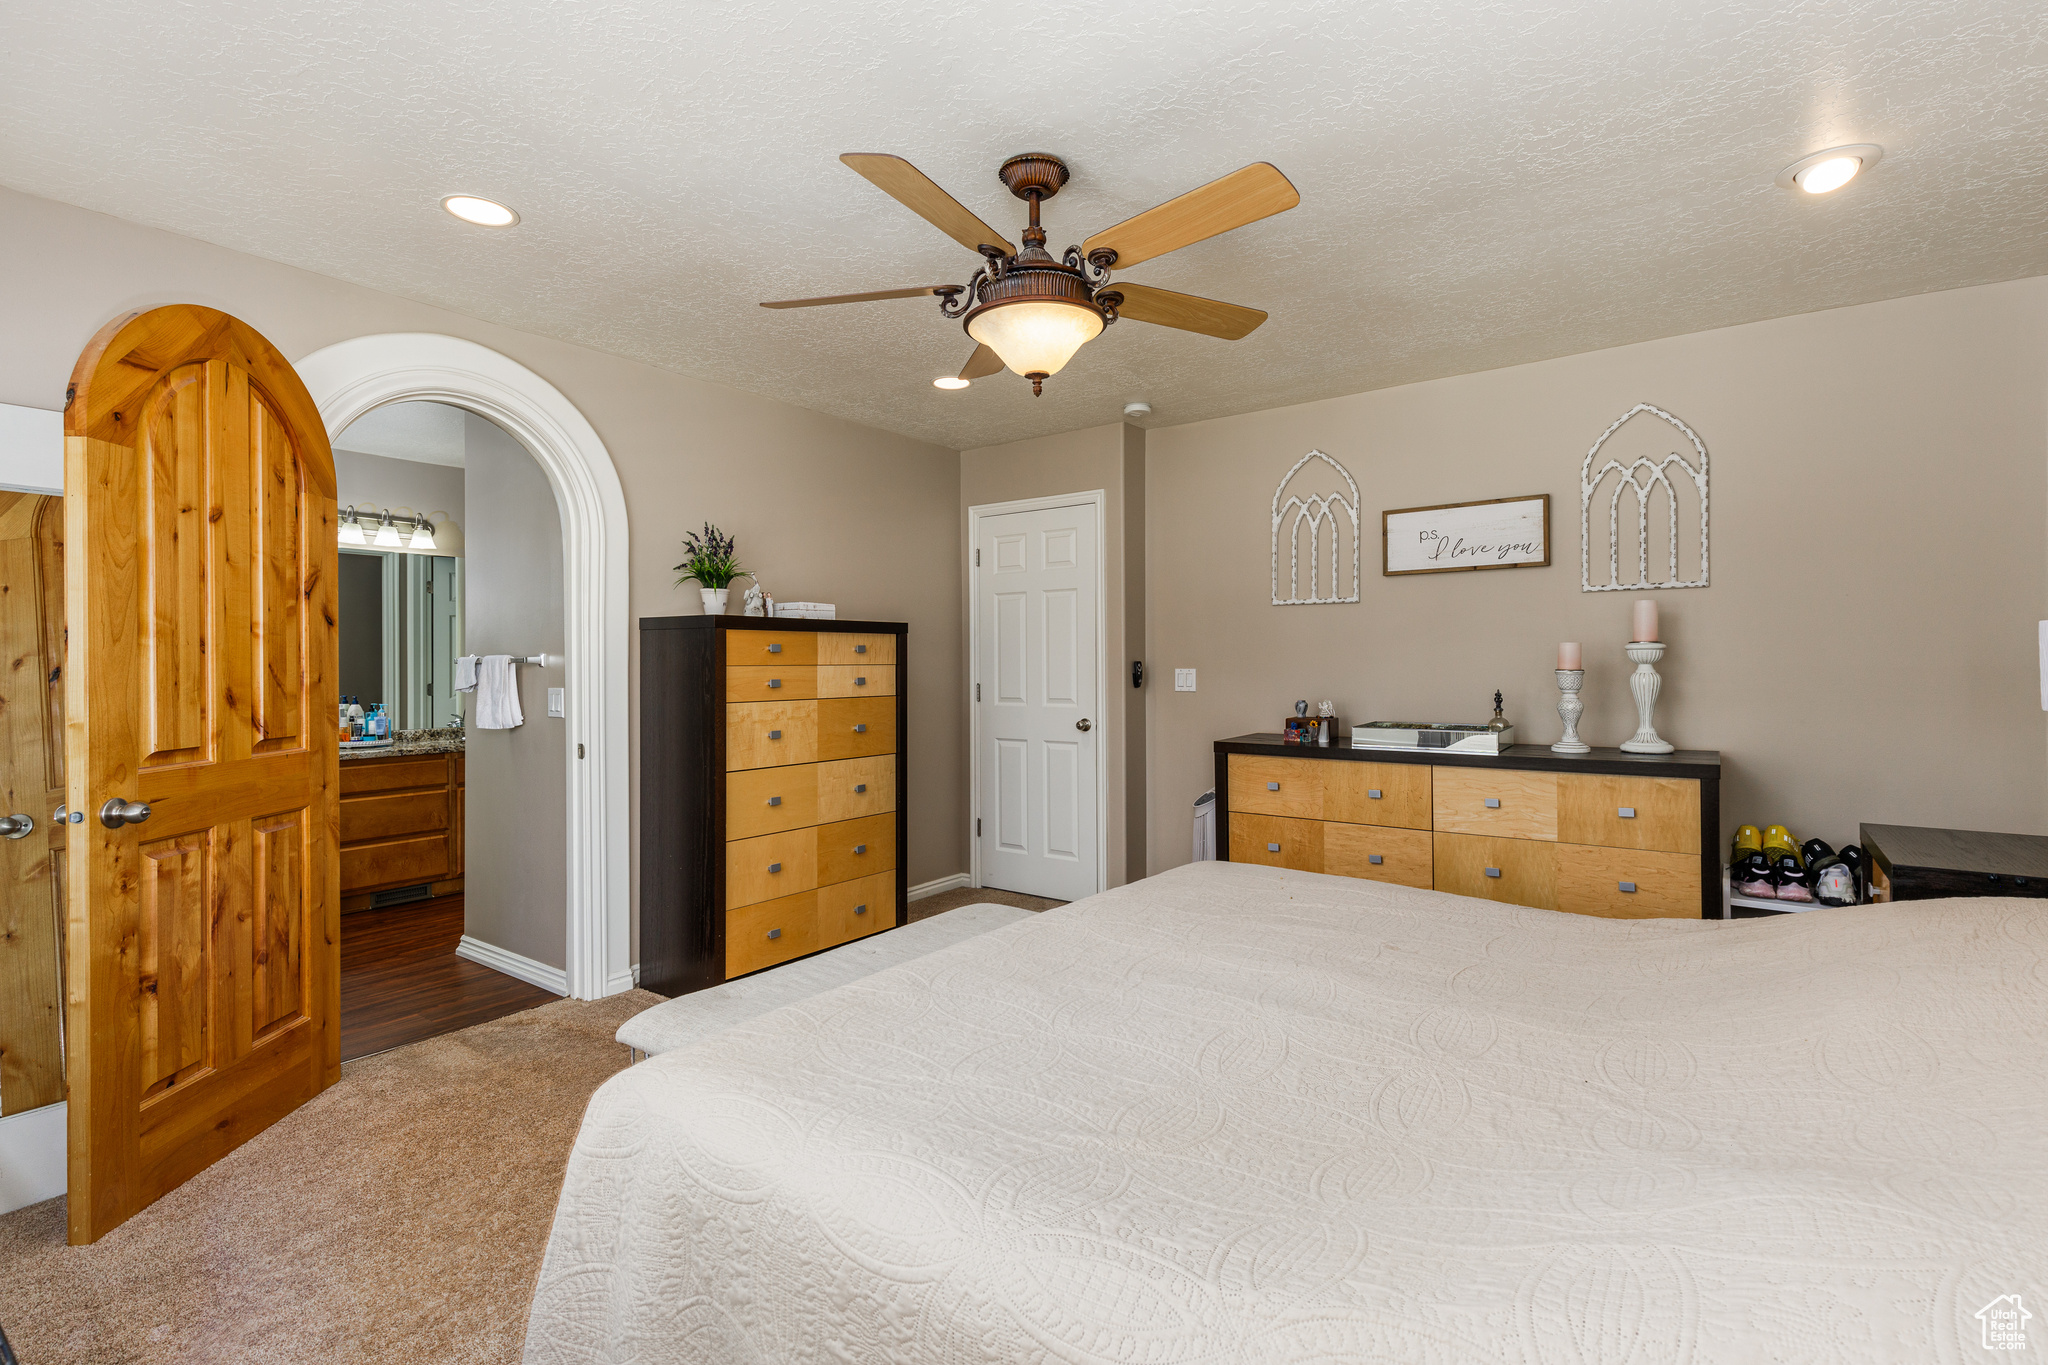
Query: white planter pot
[[714, 600]]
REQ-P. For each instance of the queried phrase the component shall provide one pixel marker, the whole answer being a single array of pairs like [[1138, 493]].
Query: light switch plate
[[556, 706], [1183, 679]]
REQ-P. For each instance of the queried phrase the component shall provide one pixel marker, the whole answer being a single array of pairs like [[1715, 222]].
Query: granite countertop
[[413, 744]]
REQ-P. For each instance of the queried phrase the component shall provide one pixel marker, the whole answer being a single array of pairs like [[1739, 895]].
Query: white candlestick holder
[[1569, 709], [1646, 683]]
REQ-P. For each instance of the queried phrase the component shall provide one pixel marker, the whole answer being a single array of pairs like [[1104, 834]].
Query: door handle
[[117, 813], [16, 826], [1082, 724]]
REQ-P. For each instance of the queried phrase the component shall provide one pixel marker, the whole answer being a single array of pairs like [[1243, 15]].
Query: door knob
[[1082, 724], [117, 813], [16, 826]]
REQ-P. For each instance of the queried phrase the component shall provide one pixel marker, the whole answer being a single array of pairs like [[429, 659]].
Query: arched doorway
[[349, 379]]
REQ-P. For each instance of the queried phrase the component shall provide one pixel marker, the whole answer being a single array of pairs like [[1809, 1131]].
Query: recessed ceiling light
[[1831, 169], [482, 212], [948, 381]]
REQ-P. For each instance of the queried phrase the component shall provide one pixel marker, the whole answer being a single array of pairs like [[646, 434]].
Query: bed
[[1240, 1114]]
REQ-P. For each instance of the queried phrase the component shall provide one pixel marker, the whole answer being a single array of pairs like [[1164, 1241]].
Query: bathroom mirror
[[401, 631]]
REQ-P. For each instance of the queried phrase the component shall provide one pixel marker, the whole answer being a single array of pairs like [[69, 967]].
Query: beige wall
[[823, 508], [516, 808], [1866, 651], [1107, 458]]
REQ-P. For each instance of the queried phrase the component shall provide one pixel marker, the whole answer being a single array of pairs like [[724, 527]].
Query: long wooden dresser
[[1607, 833], [772, 772]]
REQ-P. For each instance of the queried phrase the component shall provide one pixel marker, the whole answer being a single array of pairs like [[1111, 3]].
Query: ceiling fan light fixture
[[950, 381], [1036, 337]]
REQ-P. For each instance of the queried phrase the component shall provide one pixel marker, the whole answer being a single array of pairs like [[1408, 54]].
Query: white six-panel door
[[1038, 713]]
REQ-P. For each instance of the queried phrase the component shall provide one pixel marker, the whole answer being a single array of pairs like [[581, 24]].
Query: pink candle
[[1569, 657], [1645, 622]]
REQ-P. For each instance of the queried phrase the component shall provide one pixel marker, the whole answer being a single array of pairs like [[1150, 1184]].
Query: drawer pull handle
[[860, 787], [775, 734], [1373, 792], [1493, 872], [860, 649], [1627, 812], [774, 800], [860, 729], [775, 867], [860, 682], [1628, 887], [775, 682], [775, 649], [860, 848], [860, 909], [1272, 786], [775, 933], [1493, 803], [1375, 859], [1272, 848]]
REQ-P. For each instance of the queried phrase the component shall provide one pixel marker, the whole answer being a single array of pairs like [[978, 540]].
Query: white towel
[[465, 673], [497, 693]]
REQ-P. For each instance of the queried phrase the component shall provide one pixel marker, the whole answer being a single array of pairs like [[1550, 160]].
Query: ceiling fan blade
[[916, 191], [1143, 303], [1258, 191], [921, 291], [983, 362]]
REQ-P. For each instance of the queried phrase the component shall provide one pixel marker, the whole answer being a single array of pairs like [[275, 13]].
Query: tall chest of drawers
[[772, 772], [1607, 833]]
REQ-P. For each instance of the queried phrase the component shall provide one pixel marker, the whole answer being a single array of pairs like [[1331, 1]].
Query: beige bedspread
[[1238, 1114]]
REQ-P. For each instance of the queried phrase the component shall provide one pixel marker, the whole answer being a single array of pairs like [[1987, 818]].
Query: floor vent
[[401, 896]]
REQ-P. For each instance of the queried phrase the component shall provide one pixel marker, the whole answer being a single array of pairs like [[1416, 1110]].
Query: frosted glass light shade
[[387, 534], [351, 530], [423, 535], [1036, 338]]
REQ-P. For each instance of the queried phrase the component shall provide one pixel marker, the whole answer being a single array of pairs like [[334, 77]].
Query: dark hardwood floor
[[401, 980]]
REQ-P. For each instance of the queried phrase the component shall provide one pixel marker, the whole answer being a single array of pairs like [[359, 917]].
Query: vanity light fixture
[[1825, 172], [351, 529], [949, 381], [387, 534], [472, 208], [422, 533]]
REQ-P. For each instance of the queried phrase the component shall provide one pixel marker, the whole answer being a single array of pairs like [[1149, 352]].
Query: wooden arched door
[[203, 932]]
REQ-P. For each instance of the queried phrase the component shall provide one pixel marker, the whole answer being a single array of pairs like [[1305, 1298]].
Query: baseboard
[[32, 1157], [504, 960], [621, 982], [952, 883]]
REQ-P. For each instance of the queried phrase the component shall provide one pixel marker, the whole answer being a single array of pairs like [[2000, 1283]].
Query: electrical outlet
[[1183, 679], [556, 705]]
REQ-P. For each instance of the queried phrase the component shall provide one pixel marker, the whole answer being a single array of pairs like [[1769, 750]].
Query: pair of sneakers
[[1768, 865]]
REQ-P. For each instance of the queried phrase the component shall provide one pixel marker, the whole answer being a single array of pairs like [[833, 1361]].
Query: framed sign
[[1500, 533]]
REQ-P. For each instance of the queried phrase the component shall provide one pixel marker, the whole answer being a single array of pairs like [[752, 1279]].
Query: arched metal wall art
[[1644, 476], [1308, 514]]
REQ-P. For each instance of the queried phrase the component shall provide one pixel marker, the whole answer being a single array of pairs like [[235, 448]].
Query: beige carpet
[[399, 1217], [953, 900]]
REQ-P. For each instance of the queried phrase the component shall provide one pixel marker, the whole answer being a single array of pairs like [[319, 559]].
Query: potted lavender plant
[[710, 561]]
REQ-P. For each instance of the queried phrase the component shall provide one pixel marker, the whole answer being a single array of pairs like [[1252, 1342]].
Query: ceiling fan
[[1032, 312]]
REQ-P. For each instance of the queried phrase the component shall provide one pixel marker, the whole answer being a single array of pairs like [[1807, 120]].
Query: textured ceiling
[[432, 433], [1482, 183]]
